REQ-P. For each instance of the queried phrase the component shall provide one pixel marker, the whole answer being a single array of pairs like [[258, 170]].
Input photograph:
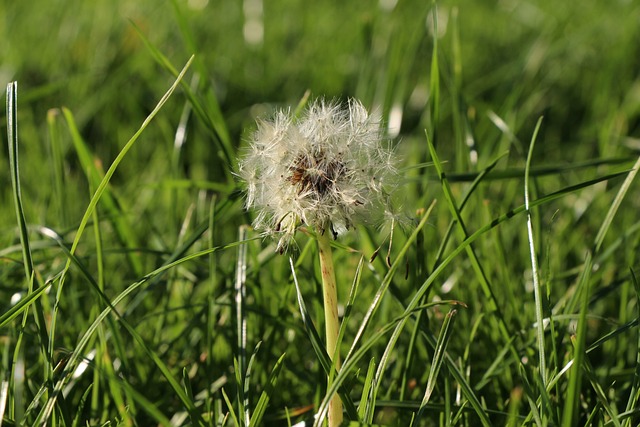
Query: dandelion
[[328, 169]]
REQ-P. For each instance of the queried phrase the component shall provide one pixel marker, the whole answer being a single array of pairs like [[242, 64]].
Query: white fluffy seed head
[[330, 169]]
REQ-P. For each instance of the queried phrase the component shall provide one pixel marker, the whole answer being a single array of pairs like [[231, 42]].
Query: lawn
[[137, 289]]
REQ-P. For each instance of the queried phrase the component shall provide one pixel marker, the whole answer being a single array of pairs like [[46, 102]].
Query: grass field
[[134, 292]]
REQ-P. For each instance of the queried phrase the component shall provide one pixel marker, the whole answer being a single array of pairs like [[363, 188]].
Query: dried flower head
[[330, 169]]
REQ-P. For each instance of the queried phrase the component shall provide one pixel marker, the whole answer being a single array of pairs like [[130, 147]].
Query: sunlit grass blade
[[100, 190], [12, 138], [240, 294]]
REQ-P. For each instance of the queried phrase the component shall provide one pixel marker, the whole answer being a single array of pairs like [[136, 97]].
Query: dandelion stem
[[332, 323]]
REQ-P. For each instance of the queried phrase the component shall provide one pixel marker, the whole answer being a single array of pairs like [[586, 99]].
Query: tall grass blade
[[12, 138], [539, 304], [232, 413], [27, 260]]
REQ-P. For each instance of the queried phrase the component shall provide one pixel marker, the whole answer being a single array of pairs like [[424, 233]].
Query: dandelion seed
[[329, 169]]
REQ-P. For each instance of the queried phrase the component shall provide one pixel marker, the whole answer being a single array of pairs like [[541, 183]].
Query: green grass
[[133, 293]]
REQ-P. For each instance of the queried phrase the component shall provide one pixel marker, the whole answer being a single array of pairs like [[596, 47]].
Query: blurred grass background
[[501, 65]]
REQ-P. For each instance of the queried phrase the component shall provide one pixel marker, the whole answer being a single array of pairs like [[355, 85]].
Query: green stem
[[329, 293]]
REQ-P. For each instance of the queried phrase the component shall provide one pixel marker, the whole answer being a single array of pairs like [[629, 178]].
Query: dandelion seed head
[[330, 169]]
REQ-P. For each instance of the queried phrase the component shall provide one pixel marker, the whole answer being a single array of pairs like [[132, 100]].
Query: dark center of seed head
[[315, 173]]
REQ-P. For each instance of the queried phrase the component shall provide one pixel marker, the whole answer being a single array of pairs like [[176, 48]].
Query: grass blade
[[367, 406], [263, 401], [436, 363], [113, 207]]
